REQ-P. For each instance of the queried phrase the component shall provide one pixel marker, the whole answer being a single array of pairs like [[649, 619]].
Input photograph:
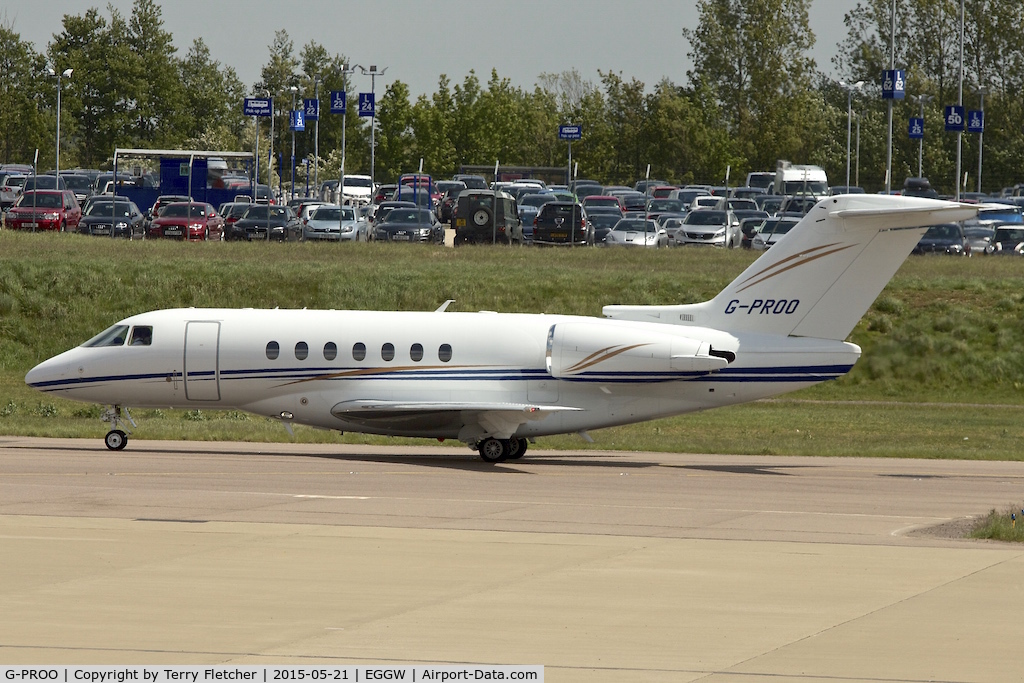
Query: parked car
[[78, 183], [44, 182], [603, 200], [529, 205], [384, 193], [946, 238], [657, 207], [602, 223], [10, 190], [562, 223], [266, 220], [978, 237], [334, 223], [483, 217], [45, 210], [472, 182], [106, 214], [232, 211], [380, 212], [1008, 239], [770, 232], [190, 221], [709, 227], [636, 232], [162, 201], [410, 225], [452, 188]]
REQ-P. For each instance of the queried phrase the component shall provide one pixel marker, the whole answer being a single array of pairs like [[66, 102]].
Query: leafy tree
[[24, 122], [397, 148], [156, 92], [212, 96], [752, 55]]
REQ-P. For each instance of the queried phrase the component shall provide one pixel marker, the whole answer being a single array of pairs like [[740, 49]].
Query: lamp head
[[68, 72]]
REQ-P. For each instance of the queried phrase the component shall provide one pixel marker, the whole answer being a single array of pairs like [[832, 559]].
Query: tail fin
[[821, 278]]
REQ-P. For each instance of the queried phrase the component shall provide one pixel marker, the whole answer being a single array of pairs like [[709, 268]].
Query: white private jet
[[497, 380]]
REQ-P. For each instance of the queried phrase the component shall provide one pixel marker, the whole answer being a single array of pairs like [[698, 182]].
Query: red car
[[45, 210], [188, 221]]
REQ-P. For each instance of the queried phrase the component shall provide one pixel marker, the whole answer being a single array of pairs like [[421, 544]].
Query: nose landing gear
[[116, 439]]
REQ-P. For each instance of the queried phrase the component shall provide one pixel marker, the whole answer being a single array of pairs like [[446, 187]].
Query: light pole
[[921, 100], [373, 73], [316, 137], [346, 71], [981, 92], [960, 102], [849, 121], [295, 90], [856, 180], [270, 157], [65, 74], [892, 67]]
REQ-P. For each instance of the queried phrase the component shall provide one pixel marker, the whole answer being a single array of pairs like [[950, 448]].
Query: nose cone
[[51, 375]]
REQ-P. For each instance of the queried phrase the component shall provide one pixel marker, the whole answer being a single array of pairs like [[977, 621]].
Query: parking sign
[[312, 108], [569, 132], [257, 106], [894, 84], [366, 104], [298, 120], [338, 102], [954, 118], [975, 121], [916, 128]]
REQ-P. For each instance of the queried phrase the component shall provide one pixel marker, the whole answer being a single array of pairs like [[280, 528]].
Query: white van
[[799, 179]]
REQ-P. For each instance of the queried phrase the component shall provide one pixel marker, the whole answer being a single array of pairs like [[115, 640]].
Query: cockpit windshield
[[112, 336]]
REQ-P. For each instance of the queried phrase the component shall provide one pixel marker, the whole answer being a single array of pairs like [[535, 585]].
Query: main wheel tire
[[518, 448], [494, 450], [116, 440]]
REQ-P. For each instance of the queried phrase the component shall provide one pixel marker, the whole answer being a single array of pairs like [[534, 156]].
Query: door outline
[[201, 363]]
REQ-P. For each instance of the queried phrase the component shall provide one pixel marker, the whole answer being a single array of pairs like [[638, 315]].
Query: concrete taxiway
[[601, 566]]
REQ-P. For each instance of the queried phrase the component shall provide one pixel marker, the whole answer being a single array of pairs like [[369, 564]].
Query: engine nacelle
[[610, 353]]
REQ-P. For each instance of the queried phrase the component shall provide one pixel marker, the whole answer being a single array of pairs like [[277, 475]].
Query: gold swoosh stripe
[[795, 265], [583, 365], [801, 255]]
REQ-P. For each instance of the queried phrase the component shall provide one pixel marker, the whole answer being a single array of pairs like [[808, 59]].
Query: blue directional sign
[[916, 128], [568, 132], [954, 118], [298, 120], [338, 102], [976, 121], [257, 106], [366, 104], [312, 109], [894, 84]]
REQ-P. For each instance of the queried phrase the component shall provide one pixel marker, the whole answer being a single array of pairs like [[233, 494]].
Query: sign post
[[339, 105], [312, 107], [569, 133], [257, 107]]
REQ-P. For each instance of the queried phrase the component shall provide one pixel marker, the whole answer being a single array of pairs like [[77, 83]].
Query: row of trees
[[752, 97]]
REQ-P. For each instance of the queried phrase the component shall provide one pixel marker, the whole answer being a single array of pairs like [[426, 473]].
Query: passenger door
[[202, 370]]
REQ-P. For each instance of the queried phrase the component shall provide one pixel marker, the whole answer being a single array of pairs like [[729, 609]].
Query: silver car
[[636, 232], [334, 223], [709, 227]]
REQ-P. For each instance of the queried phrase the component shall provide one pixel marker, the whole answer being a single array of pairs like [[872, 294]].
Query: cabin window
[[112, 336], [142, 335], [273, 350], [302, 351], [416, 352], [387, 352], [330, 351], [444, 353], [359, 351]]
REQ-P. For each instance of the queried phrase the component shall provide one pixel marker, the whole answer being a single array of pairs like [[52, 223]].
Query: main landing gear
[[497, 450], [116, 439]]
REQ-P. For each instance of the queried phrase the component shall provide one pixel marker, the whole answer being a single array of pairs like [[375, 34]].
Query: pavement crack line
[[847, 622]]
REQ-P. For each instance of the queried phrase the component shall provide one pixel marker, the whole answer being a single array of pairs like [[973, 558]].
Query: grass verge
[[1002, 526]]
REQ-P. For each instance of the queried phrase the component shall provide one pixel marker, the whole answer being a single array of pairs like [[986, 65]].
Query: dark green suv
[[473, 218]]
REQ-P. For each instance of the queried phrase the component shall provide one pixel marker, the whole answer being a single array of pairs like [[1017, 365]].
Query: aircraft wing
[[479, 418]]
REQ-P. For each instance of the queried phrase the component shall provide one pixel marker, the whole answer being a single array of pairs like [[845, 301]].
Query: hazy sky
[[419, 40]]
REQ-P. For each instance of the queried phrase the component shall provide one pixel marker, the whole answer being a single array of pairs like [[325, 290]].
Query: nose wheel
[[116, 440]]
